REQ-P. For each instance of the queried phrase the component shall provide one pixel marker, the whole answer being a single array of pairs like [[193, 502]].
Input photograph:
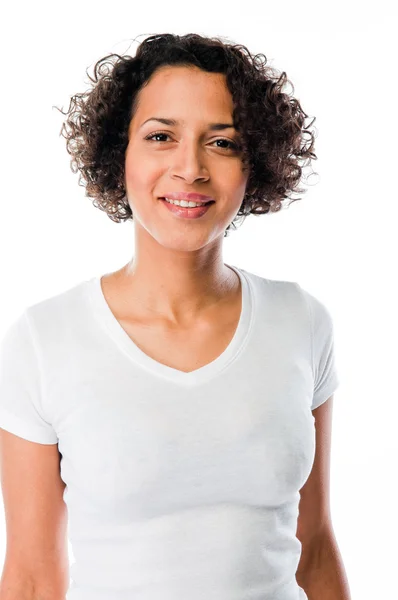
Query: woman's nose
[[188, 163]]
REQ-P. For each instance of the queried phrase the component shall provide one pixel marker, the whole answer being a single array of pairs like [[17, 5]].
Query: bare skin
[[184, 347], [176, 298]]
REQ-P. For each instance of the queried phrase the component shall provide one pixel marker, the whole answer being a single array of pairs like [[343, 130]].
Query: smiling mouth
[[198, 204]]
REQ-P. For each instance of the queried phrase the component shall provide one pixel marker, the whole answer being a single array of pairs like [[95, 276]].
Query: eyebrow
[[172, 122]]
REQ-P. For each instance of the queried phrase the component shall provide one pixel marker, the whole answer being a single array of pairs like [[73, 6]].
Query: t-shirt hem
[[17, 426], [325, 393]]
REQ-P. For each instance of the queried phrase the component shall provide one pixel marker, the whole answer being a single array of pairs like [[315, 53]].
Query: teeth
[[184, 203]]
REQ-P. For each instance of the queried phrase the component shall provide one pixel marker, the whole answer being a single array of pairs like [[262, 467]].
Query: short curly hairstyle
[[270, 122]]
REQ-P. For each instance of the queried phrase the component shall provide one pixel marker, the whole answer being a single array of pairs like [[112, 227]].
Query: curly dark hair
[[270, 122]]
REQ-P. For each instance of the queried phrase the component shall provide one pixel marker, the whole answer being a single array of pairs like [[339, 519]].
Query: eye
[[151, 136], [232, 145]]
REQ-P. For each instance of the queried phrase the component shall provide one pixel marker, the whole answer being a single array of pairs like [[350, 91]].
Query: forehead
[[187, 92], [185, 75]]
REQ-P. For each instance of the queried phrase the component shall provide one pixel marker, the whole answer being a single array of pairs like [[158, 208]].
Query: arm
[[324, 576], [17, 588], [36, 563], [320, 572]]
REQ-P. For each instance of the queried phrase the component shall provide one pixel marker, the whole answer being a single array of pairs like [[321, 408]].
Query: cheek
[[141, 175], [232, 177], [236, 188]]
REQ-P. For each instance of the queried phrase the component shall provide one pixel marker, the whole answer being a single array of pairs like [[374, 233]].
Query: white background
[[339, 242]]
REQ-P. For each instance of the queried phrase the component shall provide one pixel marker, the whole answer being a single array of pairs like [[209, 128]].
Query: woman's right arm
[[36, 564]]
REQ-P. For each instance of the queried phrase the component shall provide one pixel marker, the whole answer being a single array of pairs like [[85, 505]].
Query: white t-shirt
[[178, 485]]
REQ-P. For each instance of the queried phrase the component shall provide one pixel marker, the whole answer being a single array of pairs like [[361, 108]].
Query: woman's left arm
[[320, 572], [324, 576]]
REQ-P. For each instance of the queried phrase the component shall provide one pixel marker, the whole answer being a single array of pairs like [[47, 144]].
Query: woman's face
[[184, 157]]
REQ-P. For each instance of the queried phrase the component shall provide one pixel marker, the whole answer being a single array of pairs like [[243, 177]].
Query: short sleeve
[[326, 379], [21, 410]]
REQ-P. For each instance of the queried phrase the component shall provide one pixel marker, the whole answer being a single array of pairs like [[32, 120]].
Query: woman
[[170, 402]]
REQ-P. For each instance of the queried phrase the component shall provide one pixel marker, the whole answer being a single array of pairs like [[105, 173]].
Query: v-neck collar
[[104, 314]]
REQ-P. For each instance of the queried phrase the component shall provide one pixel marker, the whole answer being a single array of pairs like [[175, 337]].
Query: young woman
[[175, 415]]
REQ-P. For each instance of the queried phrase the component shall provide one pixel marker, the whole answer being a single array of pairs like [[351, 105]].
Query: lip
[[185, 212], [187, 196]]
